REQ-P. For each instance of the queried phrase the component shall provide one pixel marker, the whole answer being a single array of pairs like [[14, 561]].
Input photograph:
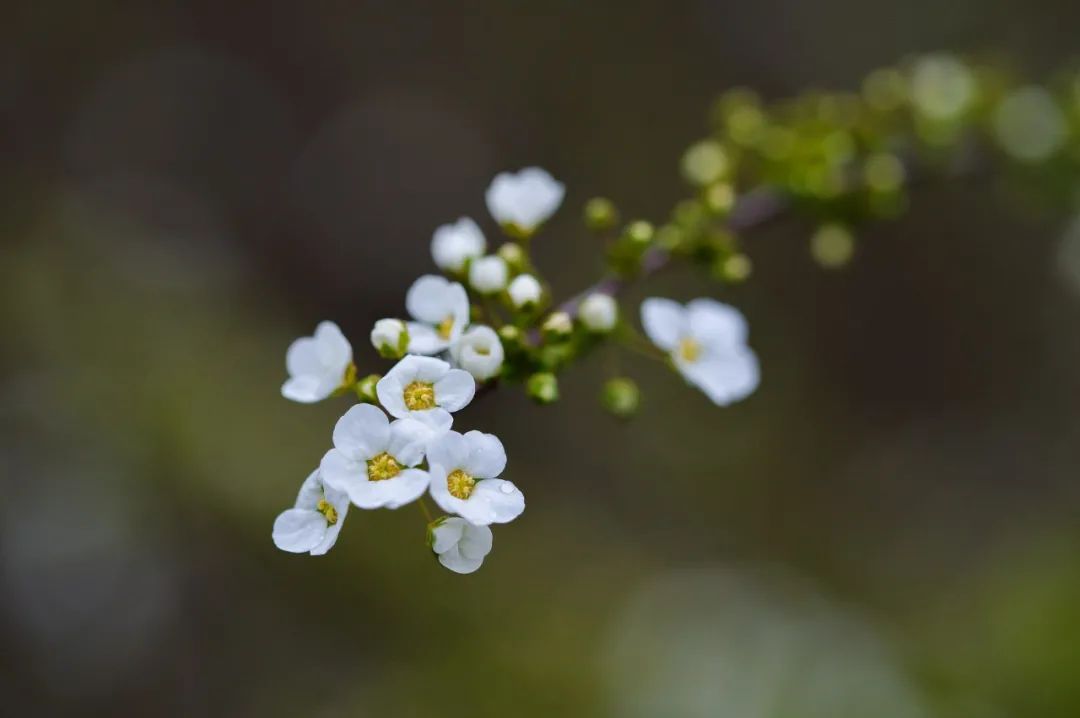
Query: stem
[[424, 509]]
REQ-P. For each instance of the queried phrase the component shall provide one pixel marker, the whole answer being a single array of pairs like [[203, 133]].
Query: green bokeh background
[[888, 527]]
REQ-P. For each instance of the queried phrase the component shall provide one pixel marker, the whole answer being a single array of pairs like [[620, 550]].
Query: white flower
[[488, 275], [479, 352], [425, 388], [317, 365], [525, 291], [441, 310], [454, 244], [707, 344], [598, 312], [313, 524], [521, 202], [373, 460], [390, 338], [464, 478], [460, 546]]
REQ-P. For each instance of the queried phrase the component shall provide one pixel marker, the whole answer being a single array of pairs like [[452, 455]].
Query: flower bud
[[514, 256], [600, 214], [832, 246], [543, 387], [489, 274], [365, 388], [454, 244], [639, 233], [621, 397], [525, 291], [705, 163], [557, 325], [598, 312], [479, 352], [390, 337], [510, 335]]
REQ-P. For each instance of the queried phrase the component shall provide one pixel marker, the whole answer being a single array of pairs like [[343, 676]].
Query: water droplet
[[507, 487]]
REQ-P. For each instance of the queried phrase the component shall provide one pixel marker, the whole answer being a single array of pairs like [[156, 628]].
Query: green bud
[[621, 397], [514, 256], [719, 198], [705, 162], [558, 325], [832, 246], [365, 389], [543, 387], [510, 335], [734, 268], [600, 214], [639, 233]]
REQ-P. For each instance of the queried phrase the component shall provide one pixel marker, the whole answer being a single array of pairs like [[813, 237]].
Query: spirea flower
[[318, 365], [522, 201], [488, 275], [441, 310], [464, 478], [390, 337], [460, 546], [479, 352], [598, 312], [374, 460], [525, 291], [313, 524], [706, 341], [425, 388], [454, 244]]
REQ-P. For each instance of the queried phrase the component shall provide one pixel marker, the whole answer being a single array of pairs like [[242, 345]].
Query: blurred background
[[888, 528]]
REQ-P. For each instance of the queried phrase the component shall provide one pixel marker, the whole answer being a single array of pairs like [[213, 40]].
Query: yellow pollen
[[689, 350], [445, 327], [327, 509], [420, 395], [383, 467], [460, 484]]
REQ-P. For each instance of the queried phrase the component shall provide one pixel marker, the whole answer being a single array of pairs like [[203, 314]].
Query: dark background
[[888, 527]]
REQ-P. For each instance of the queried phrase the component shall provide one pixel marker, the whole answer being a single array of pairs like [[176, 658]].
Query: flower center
[[460, 484], [445, 327], [689, 350], [420, 395], [327, 509], [383, 467]]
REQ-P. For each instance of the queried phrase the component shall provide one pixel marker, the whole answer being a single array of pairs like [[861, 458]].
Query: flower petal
[[310, 492], [363, 432], [440, 492], [725, 378], [409, 438], [407, 486], [449, 451], [456, 562], [493, 501], [476, 542], [338, 471], [333, 348], [663, 321], [302, 358], [715, 324], [306, 389], [298, 530], [425, 340], [427, 299], [455, 389], [486, 457], [446, 535], [340, 502]]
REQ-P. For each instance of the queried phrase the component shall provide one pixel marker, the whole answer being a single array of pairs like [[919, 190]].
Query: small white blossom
[[479, 352], [390, 337], [441, 310], [317, 364], [464, 478], [460, 546], [558, 323], [454, 244], [313, 524], [488, 275], [425, 388], [374, 460], [521, 202], [598, 312], [706, 341], [525, 291]]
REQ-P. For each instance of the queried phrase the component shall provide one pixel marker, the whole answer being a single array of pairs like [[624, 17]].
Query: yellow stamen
[[327, 509], [420, 395], [383, 467], [460, 484], [445, 327], [689, 350]]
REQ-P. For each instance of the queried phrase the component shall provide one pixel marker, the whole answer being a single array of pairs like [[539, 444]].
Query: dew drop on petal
[[507, 488]]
